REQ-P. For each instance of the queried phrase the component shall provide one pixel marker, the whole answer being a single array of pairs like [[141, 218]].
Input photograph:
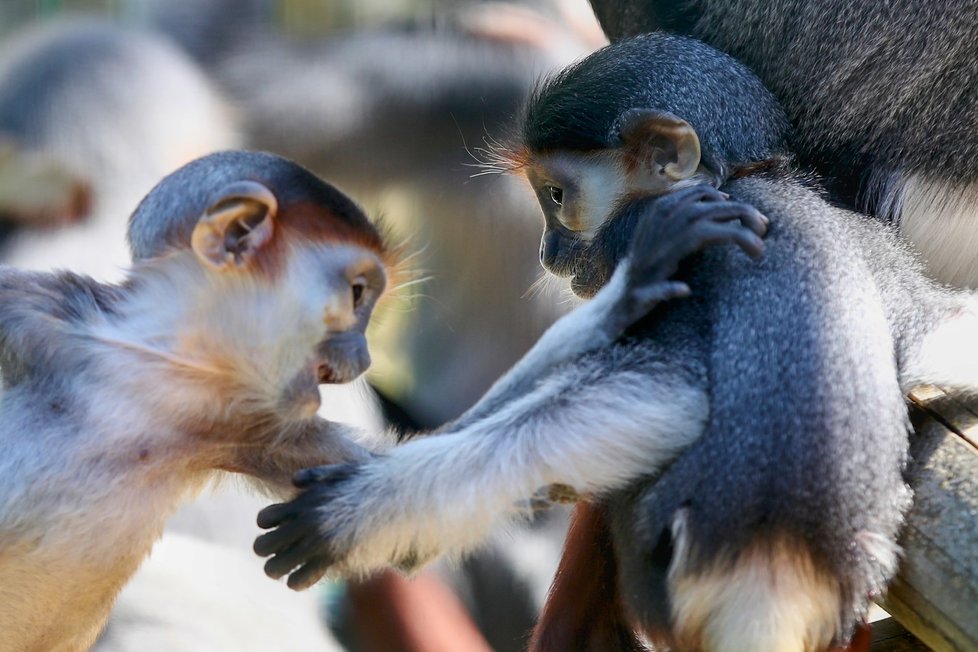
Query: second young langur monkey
[[793, 367], [253, 283]]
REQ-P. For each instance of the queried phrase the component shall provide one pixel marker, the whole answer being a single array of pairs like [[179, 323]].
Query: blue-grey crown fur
[[166, 217]]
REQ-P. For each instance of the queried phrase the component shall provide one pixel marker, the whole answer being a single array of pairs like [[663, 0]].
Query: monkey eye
[[357, 288], [556, 195]]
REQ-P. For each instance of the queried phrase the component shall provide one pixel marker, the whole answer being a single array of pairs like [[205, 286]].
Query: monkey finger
[[274, 515], [285, 561], [278, 539], [728, 211], [310, 573], [749, 216], [699, 193], [643, 300], [713, 233], [657, 292]]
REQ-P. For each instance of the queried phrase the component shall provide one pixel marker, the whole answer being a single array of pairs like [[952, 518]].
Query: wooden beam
[[935, 595]]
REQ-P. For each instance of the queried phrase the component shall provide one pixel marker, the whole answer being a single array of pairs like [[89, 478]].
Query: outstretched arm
[[594, 422], [678, 225], [590, 428]]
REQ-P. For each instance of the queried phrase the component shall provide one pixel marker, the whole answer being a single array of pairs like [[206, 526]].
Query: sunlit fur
[[939, 218], [245, 337], [773, 597], [121, 402]]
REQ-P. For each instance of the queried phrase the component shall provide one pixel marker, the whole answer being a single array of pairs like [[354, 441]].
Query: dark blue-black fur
[[872, 88], [807, 434]]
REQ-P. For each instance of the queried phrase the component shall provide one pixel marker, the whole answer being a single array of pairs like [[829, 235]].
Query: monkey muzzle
[[342, 357]]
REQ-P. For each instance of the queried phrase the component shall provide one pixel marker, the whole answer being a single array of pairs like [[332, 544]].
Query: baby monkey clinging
[[253, 282]]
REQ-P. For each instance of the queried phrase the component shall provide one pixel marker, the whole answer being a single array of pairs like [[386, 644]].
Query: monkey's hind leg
[[770, 597]]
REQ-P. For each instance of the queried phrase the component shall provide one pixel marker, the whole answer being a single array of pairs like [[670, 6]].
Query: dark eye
[[357, 288], [556, 194]]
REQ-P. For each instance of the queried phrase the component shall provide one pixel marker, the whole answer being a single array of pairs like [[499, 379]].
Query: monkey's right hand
[[674, 227]]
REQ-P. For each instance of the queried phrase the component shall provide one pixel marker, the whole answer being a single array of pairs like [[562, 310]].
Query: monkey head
[[274, 274], [636, 119]]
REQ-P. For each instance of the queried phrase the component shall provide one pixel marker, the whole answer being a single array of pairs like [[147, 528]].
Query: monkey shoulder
[[810, 233], [805, 227], [41, 313]]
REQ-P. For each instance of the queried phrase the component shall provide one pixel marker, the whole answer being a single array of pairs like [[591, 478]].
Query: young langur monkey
[[769, 533], [801, 496], [253, 283]]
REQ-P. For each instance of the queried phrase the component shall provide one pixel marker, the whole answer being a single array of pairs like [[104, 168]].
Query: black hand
[[298, 540], [676, 226]]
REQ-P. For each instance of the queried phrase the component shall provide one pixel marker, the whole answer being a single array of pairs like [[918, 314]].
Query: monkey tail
[[584, 611]]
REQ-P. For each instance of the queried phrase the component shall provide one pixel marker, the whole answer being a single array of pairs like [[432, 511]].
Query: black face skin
[[590, 263], [344, 356]]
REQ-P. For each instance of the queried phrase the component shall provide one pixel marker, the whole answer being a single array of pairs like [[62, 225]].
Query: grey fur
[[807, 434], [166, 217]]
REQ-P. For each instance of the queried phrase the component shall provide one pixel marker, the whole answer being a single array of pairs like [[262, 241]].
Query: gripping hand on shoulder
[[673, 227]]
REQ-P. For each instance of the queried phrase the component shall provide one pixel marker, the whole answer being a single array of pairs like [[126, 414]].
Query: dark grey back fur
[[807, 434]]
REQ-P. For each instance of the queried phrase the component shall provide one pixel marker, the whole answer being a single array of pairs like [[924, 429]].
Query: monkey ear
[[235, 226], [664, 142]]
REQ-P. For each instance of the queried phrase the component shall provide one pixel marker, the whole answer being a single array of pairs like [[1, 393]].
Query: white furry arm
[[444, 494], [593, 325]]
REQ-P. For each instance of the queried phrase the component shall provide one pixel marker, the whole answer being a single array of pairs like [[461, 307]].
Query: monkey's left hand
[[673, 227], [340, 521]]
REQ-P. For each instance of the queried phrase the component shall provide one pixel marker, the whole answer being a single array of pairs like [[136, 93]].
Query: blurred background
[[390, 100]]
